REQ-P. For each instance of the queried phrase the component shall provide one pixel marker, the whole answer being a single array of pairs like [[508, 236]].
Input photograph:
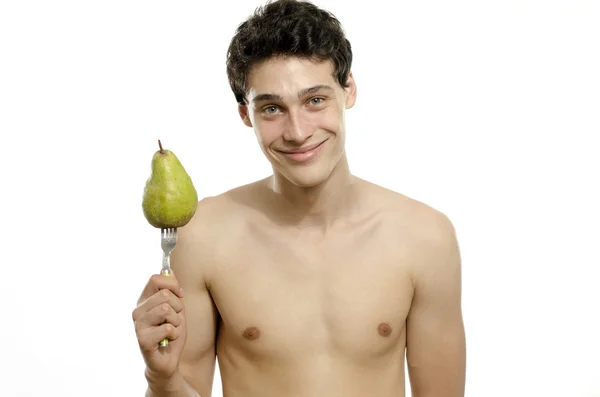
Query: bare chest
[[345, 297]]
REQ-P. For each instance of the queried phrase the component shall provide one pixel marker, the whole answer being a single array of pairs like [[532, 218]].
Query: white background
[[486, 110]]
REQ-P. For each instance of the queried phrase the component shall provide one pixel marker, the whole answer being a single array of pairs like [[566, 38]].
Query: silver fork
[[168, 240]]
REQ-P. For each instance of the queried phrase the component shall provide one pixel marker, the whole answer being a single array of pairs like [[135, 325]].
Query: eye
[[316, 101], [270, 109]]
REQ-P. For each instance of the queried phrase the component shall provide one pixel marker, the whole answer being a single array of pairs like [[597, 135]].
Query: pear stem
[[161, 148]]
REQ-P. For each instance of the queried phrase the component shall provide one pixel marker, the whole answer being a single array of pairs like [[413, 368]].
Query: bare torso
[[308, 313]]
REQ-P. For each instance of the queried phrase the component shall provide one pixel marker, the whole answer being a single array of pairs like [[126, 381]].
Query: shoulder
[[430, 226], [213, 230], [427, 230], [408, 211], [428, 240], [216, 214]]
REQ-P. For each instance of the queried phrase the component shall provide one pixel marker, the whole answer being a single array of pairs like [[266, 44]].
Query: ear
[[243, 111], [350, 91]]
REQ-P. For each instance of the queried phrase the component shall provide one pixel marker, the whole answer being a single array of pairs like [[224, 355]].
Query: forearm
[[177, 386]]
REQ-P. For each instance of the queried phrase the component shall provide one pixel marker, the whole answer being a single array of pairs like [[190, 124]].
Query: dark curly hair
[[287, 27]]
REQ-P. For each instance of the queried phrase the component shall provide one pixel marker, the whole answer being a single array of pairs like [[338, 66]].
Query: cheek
[[267, 131], [331, 120]]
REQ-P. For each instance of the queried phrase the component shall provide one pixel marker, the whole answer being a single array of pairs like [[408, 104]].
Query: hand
[[160, 314]]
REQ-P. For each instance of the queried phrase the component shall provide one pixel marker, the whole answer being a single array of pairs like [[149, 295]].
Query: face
[[296, 107]]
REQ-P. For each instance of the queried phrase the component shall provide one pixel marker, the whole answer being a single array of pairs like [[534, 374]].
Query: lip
[[304, 154]]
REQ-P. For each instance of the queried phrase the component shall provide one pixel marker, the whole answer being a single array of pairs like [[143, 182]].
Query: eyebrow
[[305, 91]]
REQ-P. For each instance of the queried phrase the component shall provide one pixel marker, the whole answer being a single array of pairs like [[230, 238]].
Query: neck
[[316, 206]]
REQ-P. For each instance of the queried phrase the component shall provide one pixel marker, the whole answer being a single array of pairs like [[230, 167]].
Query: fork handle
[[166, 265], [165, 271]]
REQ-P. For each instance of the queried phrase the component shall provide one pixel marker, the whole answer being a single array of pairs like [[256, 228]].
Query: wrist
[[167, 385]]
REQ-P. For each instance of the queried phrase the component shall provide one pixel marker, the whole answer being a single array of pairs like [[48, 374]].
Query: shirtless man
[[311, 282]]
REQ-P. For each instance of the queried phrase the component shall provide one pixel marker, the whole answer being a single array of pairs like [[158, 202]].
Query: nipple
[[251, 333], [384, 329]]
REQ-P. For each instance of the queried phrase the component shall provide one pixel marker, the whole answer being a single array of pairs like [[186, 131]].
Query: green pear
[[170, 198]]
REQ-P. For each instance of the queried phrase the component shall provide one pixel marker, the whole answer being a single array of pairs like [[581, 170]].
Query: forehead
[[288, 75]]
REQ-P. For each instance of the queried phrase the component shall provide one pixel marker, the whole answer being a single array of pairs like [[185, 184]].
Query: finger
[[160, 314], [149, 338], [162, 297], [158, 282]]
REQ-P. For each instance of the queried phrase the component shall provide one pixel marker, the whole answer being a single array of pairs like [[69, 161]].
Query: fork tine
[[169, 235]]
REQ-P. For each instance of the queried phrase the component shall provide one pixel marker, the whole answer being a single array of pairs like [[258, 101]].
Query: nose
[[298, 129]]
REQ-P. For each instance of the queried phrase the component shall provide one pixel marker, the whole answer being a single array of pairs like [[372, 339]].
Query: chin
[[307, 176], [307, 181]]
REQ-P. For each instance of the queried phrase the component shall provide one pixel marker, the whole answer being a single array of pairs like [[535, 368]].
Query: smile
[[304, 154]]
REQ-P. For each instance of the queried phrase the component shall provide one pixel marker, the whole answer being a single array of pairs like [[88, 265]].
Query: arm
[[436, 347], [190, 264], [178, 387]]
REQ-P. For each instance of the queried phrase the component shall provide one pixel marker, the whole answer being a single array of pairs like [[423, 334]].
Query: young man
[[311, 282]]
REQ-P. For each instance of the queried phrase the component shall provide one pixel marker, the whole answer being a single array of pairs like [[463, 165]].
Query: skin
[[311, 282]]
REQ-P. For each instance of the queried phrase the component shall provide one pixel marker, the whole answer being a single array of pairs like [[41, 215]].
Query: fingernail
[[181, 291]]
